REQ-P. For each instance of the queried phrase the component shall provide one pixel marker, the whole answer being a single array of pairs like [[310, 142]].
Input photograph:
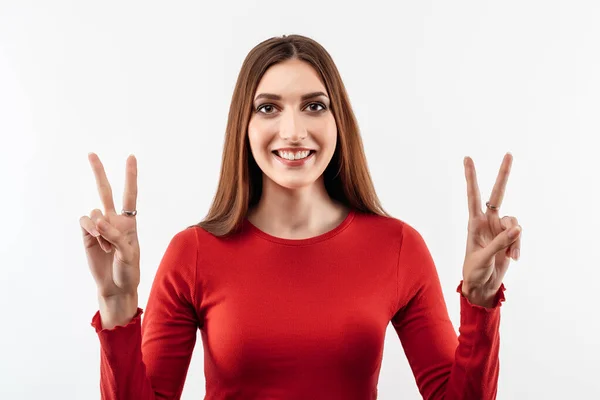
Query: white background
[[430, 82]]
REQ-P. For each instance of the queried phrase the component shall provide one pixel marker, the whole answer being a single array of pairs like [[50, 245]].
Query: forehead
[[290, 78]]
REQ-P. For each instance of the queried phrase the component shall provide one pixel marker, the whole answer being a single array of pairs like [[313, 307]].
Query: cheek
[[329, 135], [257, 137]]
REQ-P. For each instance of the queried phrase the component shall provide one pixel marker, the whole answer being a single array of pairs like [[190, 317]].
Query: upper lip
[[294, 149]]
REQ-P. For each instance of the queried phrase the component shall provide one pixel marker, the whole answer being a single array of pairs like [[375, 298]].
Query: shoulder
[[387, 226], [196, 239], [383, 228], [187, 237], [183, 245]]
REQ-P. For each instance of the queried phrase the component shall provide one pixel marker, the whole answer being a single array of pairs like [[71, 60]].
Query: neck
[[296, 213]]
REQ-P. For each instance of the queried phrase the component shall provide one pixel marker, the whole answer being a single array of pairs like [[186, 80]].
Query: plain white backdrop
[[430, 82]]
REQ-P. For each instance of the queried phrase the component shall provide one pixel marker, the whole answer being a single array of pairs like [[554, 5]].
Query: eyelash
[[308, 105]]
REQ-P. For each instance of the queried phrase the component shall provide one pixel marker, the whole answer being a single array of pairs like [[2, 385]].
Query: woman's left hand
[[491, 241]]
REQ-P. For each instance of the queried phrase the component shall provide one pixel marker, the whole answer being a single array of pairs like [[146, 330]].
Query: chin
[[291, 181], [294, 184]]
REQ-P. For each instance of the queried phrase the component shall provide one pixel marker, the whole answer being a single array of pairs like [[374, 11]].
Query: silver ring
[[491, 207], [129, 213]]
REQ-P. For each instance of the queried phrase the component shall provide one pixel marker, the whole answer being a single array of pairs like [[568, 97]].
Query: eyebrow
[[277, 97]]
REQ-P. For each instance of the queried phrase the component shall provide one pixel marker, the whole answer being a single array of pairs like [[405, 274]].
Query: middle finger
[[500, 186], [131, 189]]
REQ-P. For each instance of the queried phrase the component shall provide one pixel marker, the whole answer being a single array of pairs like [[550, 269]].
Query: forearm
[[477, 354], [123, 374]]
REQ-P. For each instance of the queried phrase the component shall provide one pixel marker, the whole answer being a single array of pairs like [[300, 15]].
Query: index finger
[[473, 195], [104, 188], [130, 193], [500, 186]]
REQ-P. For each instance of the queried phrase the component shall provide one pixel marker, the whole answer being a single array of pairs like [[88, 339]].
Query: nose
[[291, 127]]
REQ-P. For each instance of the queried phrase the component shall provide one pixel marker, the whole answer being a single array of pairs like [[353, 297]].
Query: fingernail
[[95, 233], [516, 254], [514, 232]]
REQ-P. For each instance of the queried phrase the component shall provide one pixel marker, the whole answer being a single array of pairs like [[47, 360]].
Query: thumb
[[503, 240]]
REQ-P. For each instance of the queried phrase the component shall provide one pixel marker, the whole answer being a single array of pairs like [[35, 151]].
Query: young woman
[[295, 273]]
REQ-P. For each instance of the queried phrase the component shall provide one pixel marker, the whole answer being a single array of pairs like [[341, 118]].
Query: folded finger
[[516, 248], [513, 251], [88, 227], [104, 244], [508, 222], [112, 235]]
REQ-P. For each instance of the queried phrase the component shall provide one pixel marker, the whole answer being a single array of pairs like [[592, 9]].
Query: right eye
[[266, 107]]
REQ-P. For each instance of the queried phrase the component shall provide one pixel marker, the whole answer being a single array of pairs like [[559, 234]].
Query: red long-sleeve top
[[300, 319]]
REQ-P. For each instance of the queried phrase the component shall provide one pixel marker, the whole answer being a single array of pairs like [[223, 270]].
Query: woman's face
[[291, 119]]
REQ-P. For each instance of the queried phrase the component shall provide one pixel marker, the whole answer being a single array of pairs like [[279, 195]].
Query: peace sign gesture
[[491, 240], [110, 240]]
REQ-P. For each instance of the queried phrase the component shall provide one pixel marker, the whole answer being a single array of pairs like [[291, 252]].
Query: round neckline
[[300, 242]]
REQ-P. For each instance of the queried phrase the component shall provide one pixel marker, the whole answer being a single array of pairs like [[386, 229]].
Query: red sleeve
[[445, 366], [150, 360]]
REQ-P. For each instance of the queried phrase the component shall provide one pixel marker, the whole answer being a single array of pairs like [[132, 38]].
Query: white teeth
[[288, 155]]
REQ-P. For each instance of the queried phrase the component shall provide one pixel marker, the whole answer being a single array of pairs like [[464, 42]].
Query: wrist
[[117, 310], [478, 296]]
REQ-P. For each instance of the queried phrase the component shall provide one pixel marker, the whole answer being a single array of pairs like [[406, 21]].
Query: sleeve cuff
[[97, 322], [479, 326], [498, 300], [122, 342]]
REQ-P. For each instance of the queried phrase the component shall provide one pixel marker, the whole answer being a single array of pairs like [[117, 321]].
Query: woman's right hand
[[111, 244]]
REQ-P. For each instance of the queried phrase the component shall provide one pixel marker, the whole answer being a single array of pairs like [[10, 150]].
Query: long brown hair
[[347, 177]]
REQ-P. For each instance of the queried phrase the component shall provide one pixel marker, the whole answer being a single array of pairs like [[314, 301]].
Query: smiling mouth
[[308, 154]]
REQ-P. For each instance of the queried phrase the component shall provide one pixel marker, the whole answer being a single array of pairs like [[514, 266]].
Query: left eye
[[316, 104]]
